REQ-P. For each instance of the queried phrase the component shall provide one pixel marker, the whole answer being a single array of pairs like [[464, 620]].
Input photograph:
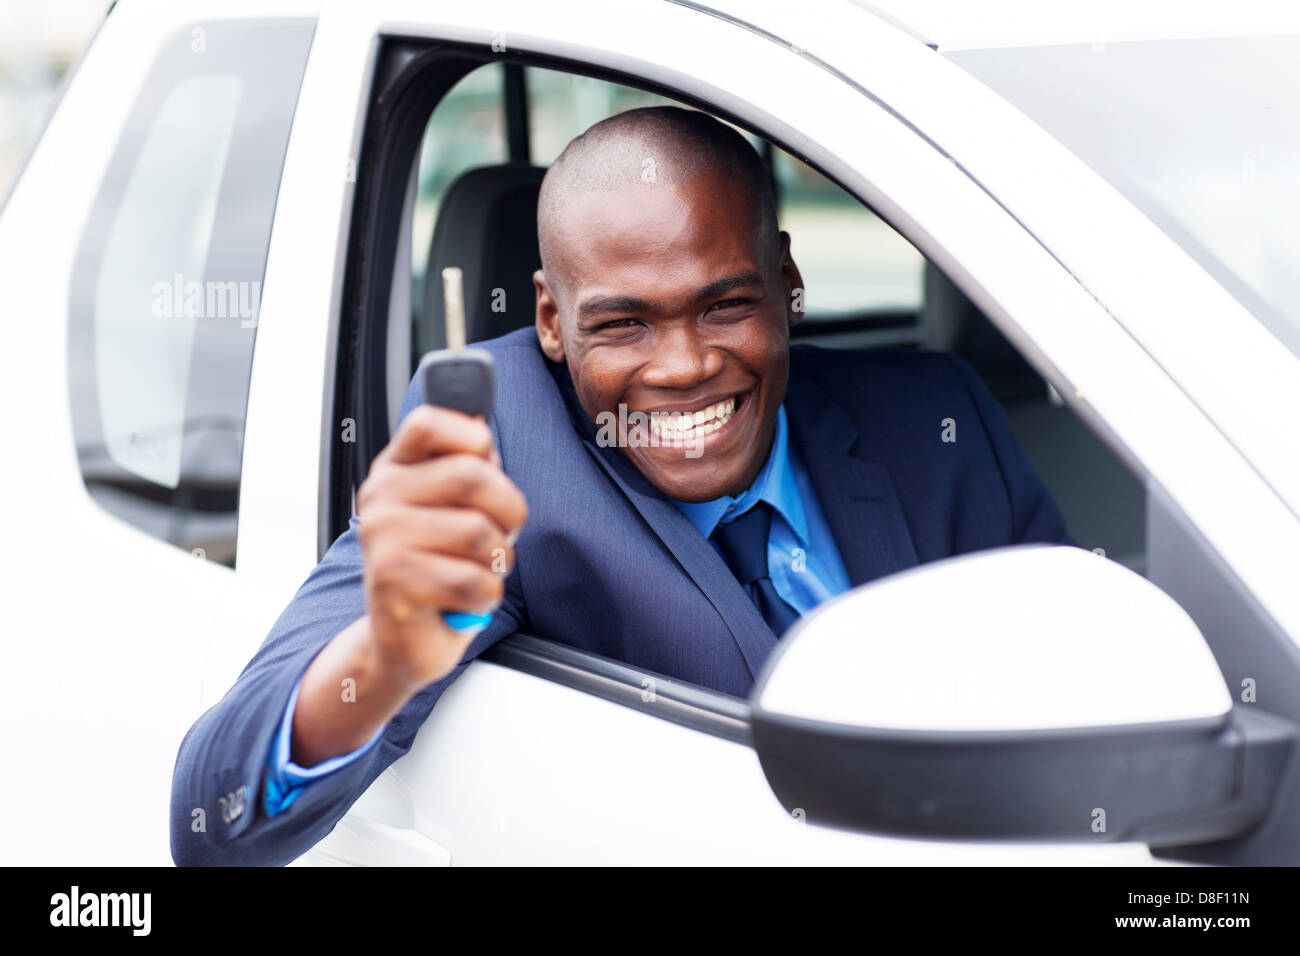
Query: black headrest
[[955, 324], [487, 225]]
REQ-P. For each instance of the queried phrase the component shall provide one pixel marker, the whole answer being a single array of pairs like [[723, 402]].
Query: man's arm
[[363, 640], [227, 748]]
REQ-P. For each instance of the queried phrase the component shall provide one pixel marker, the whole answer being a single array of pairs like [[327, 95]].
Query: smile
[[684, 427]]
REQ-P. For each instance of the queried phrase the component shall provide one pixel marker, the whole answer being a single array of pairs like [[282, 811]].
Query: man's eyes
[[629, 322], [731, 304], [618, 324]]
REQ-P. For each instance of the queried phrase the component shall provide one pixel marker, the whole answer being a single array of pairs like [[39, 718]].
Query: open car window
[[476, 160]]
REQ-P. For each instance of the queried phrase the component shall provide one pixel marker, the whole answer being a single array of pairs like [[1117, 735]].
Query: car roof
[[971, 24]]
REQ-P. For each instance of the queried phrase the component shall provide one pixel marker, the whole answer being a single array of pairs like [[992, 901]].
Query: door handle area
[[357, 841]]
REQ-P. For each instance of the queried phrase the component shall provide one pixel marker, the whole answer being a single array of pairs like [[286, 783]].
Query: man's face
[[665, 303]]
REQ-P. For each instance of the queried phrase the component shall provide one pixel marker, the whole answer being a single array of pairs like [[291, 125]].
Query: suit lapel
[[855, 492], [692, 551]]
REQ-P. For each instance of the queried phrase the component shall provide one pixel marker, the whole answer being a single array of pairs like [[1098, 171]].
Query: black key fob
[[461, 379]]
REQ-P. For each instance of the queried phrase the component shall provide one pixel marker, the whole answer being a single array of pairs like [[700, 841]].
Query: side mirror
[[1026, 693]]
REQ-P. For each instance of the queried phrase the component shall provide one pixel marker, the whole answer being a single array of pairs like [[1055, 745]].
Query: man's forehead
[[696, 232]]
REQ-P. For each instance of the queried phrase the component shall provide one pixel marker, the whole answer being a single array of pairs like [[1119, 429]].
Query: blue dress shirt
[[802, 558]]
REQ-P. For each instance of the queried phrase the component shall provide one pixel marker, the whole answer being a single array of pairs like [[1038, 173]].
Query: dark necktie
[[744, 547]]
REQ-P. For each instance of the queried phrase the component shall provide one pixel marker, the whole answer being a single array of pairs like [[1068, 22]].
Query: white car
[[212, 269]]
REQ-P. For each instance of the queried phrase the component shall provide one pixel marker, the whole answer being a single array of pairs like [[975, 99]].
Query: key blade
[[453, 307]]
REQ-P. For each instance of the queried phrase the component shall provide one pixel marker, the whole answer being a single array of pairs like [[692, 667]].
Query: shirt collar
[[775, 484]]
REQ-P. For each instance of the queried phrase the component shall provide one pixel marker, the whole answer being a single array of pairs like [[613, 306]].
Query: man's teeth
[[684, 426]]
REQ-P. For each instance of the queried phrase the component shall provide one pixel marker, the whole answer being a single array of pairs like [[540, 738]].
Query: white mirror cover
[[1023, 638]]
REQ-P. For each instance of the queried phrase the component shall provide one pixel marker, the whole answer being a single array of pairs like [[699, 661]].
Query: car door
[[540, 754], [134, 244]]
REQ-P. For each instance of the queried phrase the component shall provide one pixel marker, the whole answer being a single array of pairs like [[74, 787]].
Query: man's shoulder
[[529, 412], [519, 347], [524, 383], [522, 370], [892, 373]]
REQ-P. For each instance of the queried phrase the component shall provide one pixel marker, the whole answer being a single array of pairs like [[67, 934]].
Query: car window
[[467, 131], [854, 264], [1189, 130], [167, 281]]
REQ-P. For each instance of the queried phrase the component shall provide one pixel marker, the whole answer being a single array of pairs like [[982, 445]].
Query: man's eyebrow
[[627, 303], [723, 286], [614, 303]]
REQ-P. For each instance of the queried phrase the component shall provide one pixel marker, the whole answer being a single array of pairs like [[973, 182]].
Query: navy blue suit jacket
[[604, 554]]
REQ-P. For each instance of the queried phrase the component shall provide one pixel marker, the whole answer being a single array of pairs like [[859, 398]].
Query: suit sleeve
[[219, 813], [285, 779], [1034, 515]]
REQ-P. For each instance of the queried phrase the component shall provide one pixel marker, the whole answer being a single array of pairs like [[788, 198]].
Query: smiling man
[[751, 482]]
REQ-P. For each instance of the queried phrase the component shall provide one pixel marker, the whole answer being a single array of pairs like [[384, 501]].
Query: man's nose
[[682, 359]]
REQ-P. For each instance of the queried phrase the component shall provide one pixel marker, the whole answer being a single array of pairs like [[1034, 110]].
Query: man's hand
[[437, 520]]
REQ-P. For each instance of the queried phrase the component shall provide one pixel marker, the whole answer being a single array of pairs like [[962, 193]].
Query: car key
[[459, 378]]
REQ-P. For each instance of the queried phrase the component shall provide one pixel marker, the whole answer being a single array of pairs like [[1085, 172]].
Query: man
[[683, 545]]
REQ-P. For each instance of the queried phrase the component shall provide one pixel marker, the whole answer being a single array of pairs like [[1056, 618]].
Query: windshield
[[1202, 135]]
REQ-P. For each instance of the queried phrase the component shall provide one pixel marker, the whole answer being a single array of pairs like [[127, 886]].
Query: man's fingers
[[451, 481], [461, 532], [411, 580], [429, 430]]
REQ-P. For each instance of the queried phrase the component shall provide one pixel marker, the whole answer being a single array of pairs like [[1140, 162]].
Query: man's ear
[[793, 281], [548, 319]]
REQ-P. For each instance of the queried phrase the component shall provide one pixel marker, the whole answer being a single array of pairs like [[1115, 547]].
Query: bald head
[[650, 148]]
